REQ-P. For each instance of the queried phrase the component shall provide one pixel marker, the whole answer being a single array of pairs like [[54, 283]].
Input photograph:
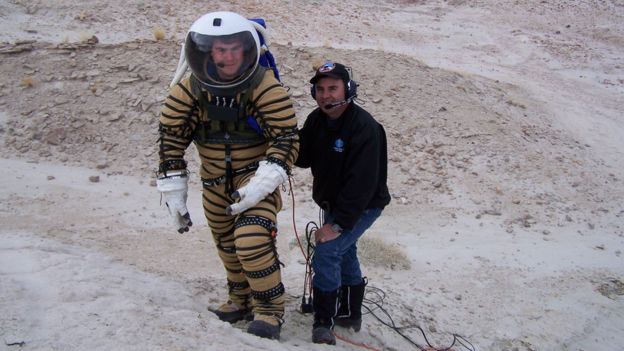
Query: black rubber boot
[[231, 312], [325, 305], [350, 306], [268, 327]]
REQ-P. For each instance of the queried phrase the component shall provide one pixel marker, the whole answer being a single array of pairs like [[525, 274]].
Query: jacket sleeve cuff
[[345, 225]]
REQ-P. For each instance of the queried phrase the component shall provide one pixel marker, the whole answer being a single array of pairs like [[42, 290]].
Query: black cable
[[306, 304], [311, 227], [310, 230], [377, 304], [370, 304]]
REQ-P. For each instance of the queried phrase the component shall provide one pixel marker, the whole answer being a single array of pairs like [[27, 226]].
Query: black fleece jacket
[[349, 163]]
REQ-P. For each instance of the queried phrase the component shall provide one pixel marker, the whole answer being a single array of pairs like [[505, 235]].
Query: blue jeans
[[335, 263]]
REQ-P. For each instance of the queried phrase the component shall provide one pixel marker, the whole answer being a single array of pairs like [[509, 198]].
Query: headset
[[350, 92]]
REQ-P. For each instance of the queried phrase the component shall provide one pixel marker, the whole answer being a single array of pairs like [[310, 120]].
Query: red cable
[[338, 336], [308, 273], [292, 194]]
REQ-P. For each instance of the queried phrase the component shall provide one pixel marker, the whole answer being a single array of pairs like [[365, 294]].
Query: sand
[[504, 123]]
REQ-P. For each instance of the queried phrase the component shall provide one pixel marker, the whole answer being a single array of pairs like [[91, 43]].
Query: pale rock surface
[[504, 124]]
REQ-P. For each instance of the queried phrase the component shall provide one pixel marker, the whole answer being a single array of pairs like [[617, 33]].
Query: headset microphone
[[336, 104]]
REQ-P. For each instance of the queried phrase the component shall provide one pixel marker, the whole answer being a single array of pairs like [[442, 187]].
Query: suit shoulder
[[268, 82]]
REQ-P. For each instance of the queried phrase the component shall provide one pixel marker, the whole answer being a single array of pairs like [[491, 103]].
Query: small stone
[[114, 117], [92, 40], [493, 212], [51, 178], [297, 93], [94, 179], [54, 136], [152, 182]]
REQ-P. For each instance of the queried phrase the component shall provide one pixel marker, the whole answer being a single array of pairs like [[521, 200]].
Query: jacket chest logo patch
[[339, 145]]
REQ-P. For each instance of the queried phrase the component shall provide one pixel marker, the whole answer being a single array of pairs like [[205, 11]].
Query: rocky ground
[[505, 156]]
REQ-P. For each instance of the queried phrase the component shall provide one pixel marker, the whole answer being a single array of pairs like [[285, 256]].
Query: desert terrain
[[504, 122]]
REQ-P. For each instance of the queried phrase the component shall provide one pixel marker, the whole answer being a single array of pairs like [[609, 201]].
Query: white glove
[[174, 188], [268, 177]]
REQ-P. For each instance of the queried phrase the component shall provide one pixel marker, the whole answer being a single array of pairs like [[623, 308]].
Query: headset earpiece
[[351, 90]]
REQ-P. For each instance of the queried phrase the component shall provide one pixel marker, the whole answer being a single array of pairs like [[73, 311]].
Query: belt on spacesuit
[[210, 182]]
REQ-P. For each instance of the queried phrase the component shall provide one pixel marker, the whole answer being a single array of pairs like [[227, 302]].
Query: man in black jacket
[[346, 151]]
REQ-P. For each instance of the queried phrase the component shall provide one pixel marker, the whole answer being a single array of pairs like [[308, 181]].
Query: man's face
[[228, 57], [330, 90]]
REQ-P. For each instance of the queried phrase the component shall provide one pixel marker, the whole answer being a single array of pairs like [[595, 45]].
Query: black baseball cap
[[331, 69]]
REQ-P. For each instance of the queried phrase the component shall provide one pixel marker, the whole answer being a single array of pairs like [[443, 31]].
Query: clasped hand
[[325, 234]]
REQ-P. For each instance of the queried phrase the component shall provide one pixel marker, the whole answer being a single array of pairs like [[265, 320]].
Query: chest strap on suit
[[210, 182], [229, 174]]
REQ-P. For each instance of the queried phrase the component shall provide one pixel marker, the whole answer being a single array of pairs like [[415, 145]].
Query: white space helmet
[[236, 49]]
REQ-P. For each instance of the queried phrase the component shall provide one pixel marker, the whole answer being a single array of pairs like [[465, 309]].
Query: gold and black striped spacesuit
[[245, 243]]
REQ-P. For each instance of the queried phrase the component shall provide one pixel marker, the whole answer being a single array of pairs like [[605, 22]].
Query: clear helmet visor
[[224, 60]]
